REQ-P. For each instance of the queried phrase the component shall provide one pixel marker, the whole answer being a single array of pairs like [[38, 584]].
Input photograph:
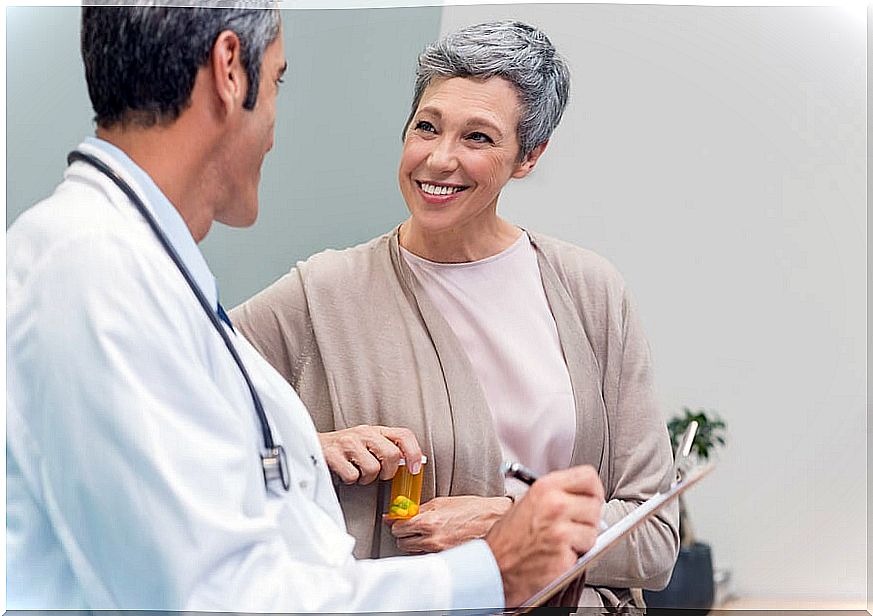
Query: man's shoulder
[[73, 214], [77, 231]]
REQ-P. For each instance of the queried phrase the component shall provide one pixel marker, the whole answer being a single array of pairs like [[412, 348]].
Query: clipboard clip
[[681, 459]]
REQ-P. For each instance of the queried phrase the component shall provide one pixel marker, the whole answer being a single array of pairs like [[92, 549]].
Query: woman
[[486, 341]]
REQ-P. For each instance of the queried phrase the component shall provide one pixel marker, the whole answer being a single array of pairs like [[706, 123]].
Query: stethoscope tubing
[[266, 432]]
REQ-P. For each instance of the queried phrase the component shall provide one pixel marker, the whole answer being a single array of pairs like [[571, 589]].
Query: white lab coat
[[133, 474]]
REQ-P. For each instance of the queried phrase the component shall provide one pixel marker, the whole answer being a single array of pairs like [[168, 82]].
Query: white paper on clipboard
[[611, 536]]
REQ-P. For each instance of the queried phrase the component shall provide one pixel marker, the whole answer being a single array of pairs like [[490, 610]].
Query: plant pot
[[692, 587]]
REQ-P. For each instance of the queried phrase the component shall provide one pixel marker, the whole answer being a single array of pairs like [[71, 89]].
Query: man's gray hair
[[513, 50], [141, 59]]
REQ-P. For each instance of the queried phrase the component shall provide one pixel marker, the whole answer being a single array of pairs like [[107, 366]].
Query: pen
[[519, 471]]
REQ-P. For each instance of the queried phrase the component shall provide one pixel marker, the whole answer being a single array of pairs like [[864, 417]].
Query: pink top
[[497, 308]]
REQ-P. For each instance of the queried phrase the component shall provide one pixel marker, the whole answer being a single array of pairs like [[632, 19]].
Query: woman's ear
[[228, 75], [530, 161]]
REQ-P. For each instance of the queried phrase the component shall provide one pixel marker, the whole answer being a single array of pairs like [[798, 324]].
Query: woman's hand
[[364, 453], [447, 521]]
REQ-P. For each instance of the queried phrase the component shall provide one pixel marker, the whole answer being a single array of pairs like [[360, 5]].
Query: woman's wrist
[[504, 503]]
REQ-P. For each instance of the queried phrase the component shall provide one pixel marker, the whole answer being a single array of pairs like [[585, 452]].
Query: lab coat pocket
[[312, 533]]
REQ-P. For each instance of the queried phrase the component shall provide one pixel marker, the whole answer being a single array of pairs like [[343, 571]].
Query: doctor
[[154, 460]]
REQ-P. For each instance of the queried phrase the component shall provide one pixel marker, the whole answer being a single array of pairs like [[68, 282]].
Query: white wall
[[716, 156]]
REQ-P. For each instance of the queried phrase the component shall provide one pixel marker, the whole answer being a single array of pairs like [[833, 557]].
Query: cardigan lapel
[[592, 425]]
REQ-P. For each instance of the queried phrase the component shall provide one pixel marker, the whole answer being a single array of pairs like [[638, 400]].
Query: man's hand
[[447, 521], [544, 534], [363, 453]]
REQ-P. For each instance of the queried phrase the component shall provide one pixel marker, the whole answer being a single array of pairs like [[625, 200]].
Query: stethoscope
[[273, 461]]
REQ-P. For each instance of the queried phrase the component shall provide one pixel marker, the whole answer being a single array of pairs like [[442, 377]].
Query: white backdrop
[[717, 157]]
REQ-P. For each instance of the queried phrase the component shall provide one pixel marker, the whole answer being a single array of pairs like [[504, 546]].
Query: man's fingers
[[546, 531], [577, 480], [556, 505], [582, 537], [584, 510], [408, 444]]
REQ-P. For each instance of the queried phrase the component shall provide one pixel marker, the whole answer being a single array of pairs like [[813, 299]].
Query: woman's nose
[[443, 156]]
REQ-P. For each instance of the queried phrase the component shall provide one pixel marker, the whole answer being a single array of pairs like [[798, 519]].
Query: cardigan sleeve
[[276, 322], [639, 456]]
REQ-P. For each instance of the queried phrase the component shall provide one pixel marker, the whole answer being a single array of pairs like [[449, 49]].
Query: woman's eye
[[480, 138], [425, 126]]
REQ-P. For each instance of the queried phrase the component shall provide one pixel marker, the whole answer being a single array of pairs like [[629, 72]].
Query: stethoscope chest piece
[[275, 465]]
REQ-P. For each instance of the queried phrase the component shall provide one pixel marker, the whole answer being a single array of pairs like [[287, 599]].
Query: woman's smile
[[438, 193]]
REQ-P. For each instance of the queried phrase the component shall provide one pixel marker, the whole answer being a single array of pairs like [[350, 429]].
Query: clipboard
[[611, 536]]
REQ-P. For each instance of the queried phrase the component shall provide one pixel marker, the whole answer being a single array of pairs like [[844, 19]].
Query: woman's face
[[461, 148]]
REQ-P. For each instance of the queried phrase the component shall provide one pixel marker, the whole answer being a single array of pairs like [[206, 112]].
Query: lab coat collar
[[167, 216]]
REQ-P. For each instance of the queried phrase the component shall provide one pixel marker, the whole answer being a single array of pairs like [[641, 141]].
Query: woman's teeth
[[432, 189]]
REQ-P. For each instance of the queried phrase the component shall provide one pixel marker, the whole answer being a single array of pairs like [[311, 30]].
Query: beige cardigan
[[355, 335]]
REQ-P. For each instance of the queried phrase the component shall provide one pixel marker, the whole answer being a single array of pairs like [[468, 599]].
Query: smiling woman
[[482, 340]]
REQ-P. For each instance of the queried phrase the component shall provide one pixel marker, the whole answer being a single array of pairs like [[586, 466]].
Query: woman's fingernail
[[416, 468]]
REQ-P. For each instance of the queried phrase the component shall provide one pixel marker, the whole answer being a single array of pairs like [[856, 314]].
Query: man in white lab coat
[[139, 473]]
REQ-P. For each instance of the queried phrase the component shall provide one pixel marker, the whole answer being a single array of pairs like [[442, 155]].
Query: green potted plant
[[692, 585]]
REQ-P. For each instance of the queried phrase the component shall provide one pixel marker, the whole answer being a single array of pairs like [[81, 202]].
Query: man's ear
[[228, 75], [530, 161]]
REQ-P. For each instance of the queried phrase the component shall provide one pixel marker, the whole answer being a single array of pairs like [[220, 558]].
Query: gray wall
[[47, 108], [330, 180], [716, 156]]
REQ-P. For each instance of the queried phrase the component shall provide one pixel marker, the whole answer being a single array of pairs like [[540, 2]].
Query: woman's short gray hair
[[513, 50]]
